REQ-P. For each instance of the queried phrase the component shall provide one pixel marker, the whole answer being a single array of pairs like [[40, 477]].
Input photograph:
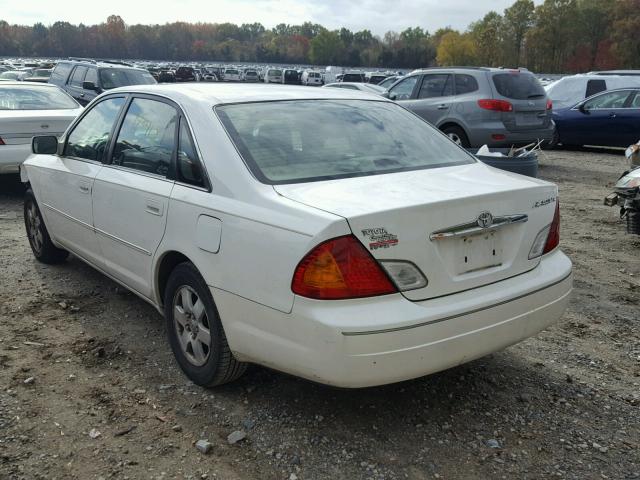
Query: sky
[[379, 16]]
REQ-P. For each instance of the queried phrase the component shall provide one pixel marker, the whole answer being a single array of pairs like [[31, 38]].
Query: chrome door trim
[[97, 230], [472, 228], [69, 217]]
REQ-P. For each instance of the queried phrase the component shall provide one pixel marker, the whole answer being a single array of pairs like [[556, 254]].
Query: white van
[[273, 75], [568, 91], [310, 77]]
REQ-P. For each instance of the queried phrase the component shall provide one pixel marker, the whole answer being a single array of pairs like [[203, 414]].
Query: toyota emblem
[[485, 220]]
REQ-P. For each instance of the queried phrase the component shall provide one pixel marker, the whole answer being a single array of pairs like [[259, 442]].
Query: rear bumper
[[12, 156], [482, 136], [375, 341]]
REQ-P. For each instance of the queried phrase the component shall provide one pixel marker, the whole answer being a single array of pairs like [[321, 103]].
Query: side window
[[635, 103], [147, 138], [89, 137], [436, 85], [465, 84], [595, 86], [404, 89], [607, 100], [92, 76], [60, 73], [78, 76], [189, 168]]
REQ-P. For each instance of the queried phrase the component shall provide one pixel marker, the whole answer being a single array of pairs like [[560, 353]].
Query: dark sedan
[[610, 118]]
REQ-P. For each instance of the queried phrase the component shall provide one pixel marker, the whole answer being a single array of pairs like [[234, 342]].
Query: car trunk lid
[[430, 218], [19, 126]]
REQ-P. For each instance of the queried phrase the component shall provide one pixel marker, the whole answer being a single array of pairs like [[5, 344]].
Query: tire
[[190, 313], [41, 245], [553, 143], [457, 135]]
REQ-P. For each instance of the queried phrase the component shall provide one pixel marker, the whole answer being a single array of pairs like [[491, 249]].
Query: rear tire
[[195, 331], [457, 135], [41, 245]]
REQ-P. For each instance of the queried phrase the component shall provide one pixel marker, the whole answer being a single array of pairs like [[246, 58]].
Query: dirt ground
[[81, 358]]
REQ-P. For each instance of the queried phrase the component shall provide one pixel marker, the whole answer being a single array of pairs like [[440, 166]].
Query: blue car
[[610, 118]]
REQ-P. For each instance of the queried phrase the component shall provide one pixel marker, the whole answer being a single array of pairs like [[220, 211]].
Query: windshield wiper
[[536, 95]]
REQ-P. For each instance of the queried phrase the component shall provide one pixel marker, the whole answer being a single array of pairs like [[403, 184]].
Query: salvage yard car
[[26, 110], [356, 246], [478, 106]]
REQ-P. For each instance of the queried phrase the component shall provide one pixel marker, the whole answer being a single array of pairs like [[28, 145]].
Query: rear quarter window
[[518, 85], [60, 73]]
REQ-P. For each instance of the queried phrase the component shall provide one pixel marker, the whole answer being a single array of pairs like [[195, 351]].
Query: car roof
[[221, 93], [29, 84]]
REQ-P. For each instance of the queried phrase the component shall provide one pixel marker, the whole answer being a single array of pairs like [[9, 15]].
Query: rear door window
[[189, 167], [465, 84], [147, 138], [608, 100], [92, 76], [518, 86], [436, 85], [595, 86]]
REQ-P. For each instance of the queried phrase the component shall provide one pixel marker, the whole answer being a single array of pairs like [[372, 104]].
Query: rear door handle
[[442, 107], [84, 188], [612, 115], [154, 208], [82, 94]]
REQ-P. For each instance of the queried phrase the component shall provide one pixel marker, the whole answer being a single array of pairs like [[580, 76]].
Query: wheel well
[[452, 124], [169, 261]]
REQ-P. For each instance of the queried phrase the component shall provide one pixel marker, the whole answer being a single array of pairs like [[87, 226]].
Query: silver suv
[[476, 105]]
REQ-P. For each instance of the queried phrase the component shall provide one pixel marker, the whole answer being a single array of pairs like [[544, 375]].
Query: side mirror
[[44, 145], [392, 95], [582, 108], [89, 86]]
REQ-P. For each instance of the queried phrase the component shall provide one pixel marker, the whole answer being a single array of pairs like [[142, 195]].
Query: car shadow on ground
[[11, 187]]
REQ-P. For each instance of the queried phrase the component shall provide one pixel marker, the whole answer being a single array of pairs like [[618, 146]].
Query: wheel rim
[[192, 325], [455, 138], [34, 228]]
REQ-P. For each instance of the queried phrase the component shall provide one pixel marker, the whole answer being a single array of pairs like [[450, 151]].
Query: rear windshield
[[231, 72], [34, 98], [518, 86], [282, 143], [353, 77], [275, 72], [113, 77]]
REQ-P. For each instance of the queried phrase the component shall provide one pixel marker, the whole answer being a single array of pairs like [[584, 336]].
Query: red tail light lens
[[549, 104], [1, 141], [338, 269], [553, 239], [495, 105]]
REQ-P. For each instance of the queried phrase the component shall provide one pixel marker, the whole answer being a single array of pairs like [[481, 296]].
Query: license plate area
[[529, 118], [478, 252]]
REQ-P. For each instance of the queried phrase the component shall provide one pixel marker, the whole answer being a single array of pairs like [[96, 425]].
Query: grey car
[[476, 105]]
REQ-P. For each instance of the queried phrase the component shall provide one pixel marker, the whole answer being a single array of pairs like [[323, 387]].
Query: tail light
[[495, 105], [338, 269], [553, 240], [549, 104], [2, 141], [548, 238]]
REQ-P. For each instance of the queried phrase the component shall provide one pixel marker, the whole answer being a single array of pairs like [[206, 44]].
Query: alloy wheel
[[34, 230], [192, 325]]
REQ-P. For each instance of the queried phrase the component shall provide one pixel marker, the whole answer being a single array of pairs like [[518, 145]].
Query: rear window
[[518, 86], [281, 143], [60, 73], [353, 77], [275, 72], [231, 72], [113, 77], [34, 98]]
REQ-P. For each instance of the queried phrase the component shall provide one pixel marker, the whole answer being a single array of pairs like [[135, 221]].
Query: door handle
[[82, 95], [612, 115], [442, 107], [154, 208], [84, 188]]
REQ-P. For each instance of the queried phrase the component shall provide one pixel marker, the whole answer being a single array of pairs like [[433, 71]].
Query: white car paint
[[17, 127], [246, 239]]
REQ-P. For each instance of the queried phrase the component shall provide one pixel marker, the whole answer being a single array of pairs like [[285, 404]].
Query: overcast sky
[[379, 16]]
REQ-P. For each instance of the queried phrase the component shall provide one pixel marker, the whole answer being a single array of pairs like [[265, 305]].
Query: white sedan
[[363, 87], [26, 110], [326, 233]]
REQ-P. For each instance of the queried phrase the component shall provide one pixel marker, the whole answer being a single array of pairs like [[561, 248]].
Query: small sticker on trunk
[[380, 238]]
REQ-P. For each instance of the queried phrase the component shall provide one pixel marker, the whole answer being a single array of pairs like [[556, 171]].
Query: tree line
[[555, 36]]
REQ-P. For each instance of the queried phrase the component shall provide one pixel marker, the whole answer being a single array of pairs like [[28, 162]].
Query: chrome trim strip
[[29, 135], [451, 317], [124, 242], [69, 217], [97, 230], [472, 228]]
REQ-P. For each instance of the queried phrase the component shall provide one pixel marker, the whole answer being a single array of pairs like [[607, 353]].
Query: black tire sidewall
[[186, 274]]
